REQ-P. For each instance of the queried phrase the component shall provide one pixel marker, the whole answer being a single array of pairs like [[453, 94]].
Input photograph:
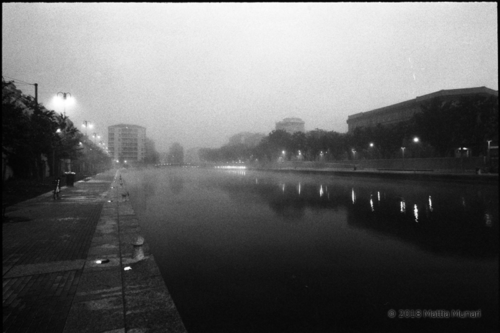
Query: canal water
[[254, 251]]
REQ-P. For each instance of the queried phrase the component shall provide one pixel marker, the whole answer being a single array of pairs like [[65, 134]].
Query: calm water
[[249, 251]]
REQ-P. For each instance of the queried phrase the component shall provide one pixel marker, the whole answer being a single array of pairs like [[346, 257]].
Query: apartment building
[[127, 142]]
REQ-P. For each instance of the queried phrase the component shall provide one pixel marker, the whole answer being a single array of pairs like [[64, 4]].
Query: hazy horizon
[[198, 73]]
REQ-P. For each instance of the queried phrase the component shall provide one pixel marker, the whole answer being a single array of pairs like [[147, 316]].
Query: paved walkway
[[52, 278]]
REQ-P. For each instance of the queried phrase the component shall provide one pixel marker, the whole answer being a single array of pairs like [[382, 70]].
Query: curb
[[121, 288]]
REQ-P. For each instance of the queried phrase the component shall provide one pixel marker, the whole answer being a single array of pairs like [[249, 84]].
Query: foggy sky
[[198, 73]]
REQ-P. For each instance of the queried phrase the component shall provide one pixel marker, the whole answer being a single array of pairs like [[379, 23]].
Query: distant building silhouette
[[291, 125], [404, 111], [127, 142], [246, 138]]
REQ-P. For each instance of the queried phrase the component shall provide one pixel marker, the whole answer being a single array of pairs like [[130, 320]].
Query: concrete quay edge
[[407, 175], [126, 292], [46, 290]]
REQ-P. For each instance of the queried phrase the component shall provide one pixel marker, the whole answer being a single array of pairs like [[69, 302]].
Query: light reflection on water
[[276, 252]]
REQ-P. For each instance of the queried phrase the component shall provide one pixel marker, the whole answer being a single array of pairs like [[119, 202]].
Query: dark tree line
[[31, 133], [441, 127]]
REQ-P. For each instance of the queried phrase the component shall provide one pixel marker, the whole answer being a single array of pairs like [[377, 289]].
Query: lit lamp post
[[416, 140], [403, 149], [64, 94], [54, 149], [96, 137], [353, 158], [86, 125]]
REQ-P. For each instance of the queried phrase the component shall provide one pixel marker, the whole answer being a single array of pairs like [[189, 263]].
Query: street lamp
[[371, 150], [86, 125], [403, 149], [96, 137], [416, 139], [64, 94], [54, 149]]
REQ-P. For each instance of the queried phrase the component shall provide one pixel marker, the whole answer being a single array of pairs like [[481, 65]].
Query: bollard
[[125, 195], [138, 249], [57, 189]]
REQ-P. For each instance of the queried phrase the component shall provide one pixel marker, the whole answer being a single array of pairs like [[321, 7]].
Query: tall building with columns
[[127, 142], [291, 125], [404, 111]]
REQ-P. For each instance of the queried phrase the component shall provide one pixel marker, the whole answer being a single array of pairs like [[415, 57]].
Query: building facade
[[291, 125], [127, 143], [404, 111]]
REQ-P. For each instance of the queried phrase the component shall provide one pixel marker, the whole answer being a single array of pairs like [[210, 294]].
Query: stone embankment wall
[[450, 165]]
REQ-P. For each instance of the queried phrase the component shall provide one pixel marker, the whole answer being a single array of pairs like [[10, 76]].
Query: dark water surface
[[252, 251]]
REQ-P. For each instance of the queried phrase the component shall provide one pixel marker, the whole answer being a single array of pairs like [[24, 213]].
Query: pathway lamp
[[403, 150], [86, 124], [416, 140], [371, 145], [64, 95], [54, 150], [96, 137]]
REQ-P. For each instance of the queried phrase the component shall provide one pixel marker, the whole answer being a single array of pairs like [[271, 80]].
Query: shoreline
[[489, 179]]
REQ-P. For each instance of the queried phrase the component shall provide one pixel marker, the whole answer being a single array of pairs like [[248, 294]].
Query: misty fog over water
[[254, 251]]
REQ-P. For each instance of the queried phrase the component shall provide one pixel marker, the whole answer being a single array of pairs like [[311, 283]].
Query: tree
[[152, 156], [27, 132], [447, 125], [176, 154]]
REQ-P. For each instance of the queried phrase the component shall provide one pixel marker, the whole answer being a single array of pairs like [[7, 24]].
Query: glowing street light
[[403, 149], [64, 95], [87, 125], [416, 139], [54, 151]]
